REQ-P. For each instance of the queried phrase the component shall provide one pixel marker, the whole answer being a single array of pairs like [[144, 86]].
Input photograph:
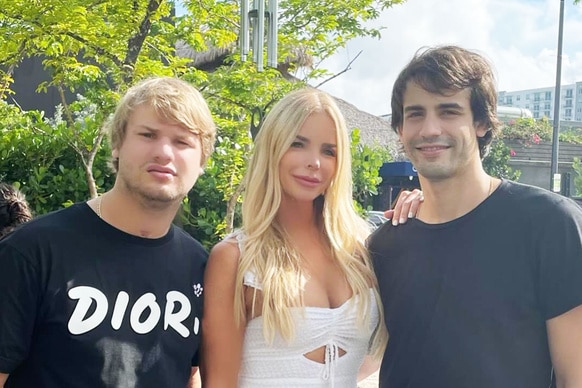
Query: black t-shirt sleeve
[[201, 256], [19, 300], [559, 248]]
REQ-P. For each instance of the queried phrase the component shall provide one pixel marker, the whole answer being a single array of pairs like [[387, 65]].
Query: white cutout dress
[[283, 364]]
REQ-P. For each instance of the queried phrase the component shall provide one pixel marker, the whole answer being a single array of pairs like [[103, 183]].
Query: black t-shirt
[[84, 304], [466, 301]]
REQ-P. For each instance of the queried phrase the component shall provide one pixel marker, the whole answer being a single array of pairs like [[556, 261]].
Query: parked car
[[376, 218]]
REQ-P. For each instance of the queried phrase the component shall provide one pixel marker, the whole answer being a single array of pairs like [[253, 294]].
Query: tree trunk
[[230, 207]]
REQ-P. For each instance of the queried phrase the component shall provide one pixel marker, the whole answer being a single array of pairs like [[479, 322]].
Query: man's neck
[[132, 216], [449, 199]]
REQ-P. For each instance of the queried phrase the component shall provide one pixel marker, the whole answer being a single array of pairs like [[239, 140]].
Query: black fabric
[[466, 301], [86, 305]]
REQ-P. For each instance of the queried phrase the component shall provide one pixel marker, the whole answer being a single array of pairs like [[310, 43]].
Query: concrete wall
[[534, 162]]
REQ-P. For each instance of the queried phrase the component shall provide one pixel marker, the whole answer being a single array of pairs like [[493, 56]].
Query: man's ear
[[115, 153], [481, 129]]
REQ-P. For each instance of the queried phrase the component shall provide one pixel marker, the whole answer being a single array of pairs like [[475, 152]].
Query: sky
[[519, 37]]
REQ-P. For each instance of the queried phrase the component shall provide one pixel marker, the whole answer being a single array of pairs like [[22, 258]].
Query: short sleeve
[[560, 260], [19, 300]]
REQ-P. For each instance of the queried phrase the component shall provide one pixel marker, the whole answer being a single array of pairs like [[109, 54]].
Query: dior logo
[[144, 315]]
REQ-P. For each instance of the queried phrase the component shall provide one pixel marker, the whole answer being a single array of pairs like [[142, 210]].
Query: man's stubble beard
[[156, 199]]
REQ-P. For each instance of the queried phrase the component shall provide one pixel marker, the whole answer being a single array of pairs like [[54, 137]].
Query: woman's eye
[[329, 152]]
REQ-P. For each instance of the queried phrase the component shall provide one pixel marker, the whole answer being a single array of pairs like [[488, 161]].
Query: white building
[[541, 101]]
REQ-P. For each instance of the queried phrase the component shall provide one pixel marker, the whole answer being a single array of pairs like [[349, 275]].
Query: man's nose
[[430, 127], [164, 150]]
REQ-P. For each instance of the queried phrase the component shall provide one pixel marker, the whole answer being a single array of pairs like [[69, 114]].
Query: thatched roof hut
[[374, 130]]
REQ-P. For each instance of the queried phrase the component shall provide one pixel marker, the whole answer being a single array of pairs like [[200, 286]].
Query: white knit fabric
[[283, 364]]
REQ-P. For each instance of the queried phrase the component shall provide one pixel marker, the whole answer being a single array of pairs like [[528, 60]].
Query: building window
[[536, 115], [568, 103], [548, 95], [536, 107], [509, 100], [568, 93], [527, 96], [526, 106], [536, 97], [547, 114], [518, 98], [547, 106], [568, 112]]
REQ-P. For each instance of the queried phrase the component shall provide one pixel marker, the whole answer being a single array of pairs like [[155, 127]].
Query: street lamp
[[555, 178]]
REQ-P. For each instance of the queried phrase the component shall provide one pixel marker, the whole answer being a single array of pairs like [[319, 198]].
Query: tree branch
[[135, 43], [348, 67]]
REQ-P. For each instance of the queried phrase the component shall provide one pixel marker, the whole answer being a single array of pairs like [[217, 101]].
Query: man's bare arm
[[3, 378], [565, 340], [194, 381]]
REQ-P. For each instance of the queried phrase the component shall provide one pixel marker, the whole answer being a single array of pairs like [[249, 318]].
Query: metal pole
[[244, 30], [554, 176], [260, 35], [272, 35]]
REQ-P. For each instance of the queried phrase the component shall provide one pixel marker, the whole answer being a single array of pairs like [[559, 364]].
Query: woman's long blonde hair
[[265, 247]]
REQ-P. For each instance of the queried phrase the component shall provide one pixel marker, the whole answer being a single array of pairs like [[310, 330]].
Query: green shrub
[[37, 157], [366, 163], [577, 166], [496, 163]]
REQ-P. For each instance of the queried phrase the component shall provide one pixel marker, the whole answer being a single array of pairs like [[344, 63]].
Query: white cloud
[[518, 36]]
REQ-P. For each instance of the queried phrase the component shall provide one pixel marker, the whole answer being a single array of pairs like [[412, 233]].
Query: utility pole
[[555, 177]]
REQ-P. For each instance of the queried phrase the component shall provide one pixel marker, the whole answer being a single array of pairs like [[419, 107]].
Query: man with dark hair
[[14, 209], [484, 287], [108, 293]]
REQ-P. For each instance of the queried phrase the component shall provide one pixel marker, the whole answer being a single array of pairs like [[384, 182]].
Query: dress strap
[[250, 277]]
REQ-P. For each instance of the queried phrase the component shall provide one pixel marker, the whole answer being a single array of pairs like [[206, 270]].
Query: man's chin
[[161, 199], [434, 173]]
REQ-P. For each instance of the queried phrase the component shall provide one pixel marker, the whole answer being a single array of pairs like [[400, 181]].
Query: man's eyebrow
[[450, 105], [147, 128], [413, 107]]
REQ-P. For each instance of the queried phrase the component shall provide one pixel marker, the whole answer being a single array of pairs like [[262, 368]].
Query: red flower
[[535, 138], [512, 152]]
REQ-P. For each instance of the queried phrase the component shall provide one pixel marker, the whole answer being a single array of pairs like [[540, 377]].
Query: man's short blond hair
[[173, 100]]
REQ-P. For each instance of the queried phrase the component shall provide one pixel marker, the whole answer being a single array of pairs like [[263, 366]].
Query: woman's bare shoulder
[[226, 251]]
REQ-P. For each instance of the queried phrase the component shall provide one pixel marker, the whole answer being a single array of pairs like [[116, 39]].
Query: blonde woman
[[291, 299]]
